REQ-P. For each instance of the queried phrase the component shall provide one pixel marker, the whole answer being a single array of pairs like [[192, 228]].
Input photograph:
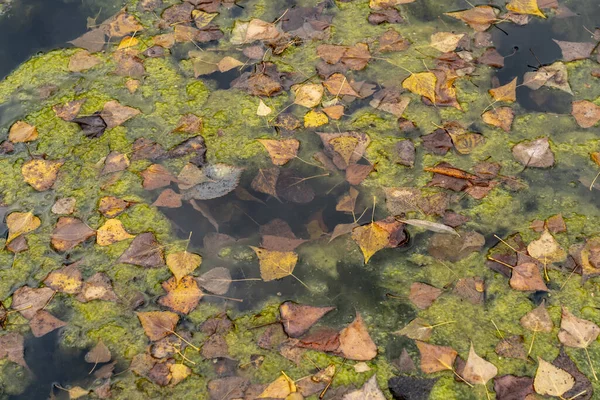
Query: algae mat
[[338, 200]]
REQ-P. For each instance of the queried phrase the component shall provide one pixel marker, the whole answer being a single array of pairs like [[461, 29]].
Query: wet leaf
[[293, 188], [261, 30], [19, 223], [506, 92], [21, 132], [390, 100], [97, 287], [115, 162], [342, 229], [229, 388], [430, 226], [308, 95], [65, 205], [68, 111], [190, 176], [338, 85], [510, 387], [263, 110], [477, 370], [223, 179], [527, 277], [422, 83], [536, 153], [182, 295], [550, 380], [82, 61], [43, 323], [501, 117], [156, 176], [370, 238], [479, 18], [281, 151], [227, 63], [314, 119], [92, 41], [512, 347], [553, 76], [357, 151], [525, 7], [583, 388], [537, 320], [445, 41], [169, 199], [586, 113], [111, 232], [158, 324], [275, 264], [280, 388], [297, 319], [347, 203], [344, 146], [123, 24], [572, 51], [183, 263], [216, 280], [356, 173], [355, 342], [29, 301], [115, 114], [435, 358], [417, 329], [92, 126], [179, 372], [265, 181], [369, 390], [576, 332], [144, 251], [12, 346], [66, 280], [111, 206], [41, 174], [98, 354], [423, 295], [546, 249], [70, 232]]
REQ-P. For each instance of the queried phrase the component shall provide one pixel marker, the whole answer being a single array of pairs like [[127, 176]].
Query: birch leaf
[[550, 380], [421, 83], [370, 238]]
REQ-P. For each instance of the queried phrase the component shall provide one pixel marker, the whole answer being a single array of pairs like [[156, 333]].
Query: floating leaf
[[228, 63], [525, 7], [535, 153], [384, 4], [576, 332], [546, 249], [477, 370], [479, 18], [527, 277], [572, 51], [297, 319], [422, 83], [423, 295], [183, 263], [370, 238], [99, 354], [97, 287], [417, 329], [69, 232], [275, 264], [445, 41], [435, 358], [550, 380], [222, 180], [182, 295], [280, 388], [111, 206], [344, 146], [314, 119], [537, 320], [369, 390], [179, 372], [41, 174], [308, 95], [281, 151], [506, 92], [338, 85], [43, 323], [502, 117], [554, 76], [21, 132], [111, 232], [115, 162], [158, 324], [586, 113], [19, 223], [82, 61], [430, 226], [216, 281], [145, 251], [263, 110], [115, 114], [510, 387], [66, 280], [29, 301], [347, 203], [168, 198], [355, 342]]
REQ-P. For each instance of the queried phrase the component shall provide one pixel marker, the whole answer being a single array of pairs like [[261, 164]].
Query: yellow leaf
[[275, 264], [178, 373], [227, 63], [308, 95], [183, 263], [344, 146], [182, 296], [21, 132], [525, 7], [128, 41], [20, 223], [382, 4], [77, 392], [281, 151], [202, 19], [263, 110], [422, 83], [506, 92], [314, 119], [370, 238], [551, 380], [41, 174], [278, 389], [479, 18], [445, 41], [111, 232]]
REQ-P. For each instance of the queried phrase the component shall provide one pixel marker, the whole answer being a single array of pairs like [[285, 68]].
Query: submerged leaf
[[275, 264], [430, 226], [69, 232], [145, 251], [421, 83], [281, 151], [222, 180], [158, 324], [216, 281], [369, 390], [297, 319], [479, 18], [182, 295]]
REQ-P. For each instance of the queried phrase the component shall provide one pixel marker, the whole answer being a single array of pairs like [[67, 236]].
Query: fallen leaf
[[357, 152], [527, 277], [261, 30], [216, 280], [29, 301], [314, 119], [19, 223], [183, 263], [435, 358], [127, 42], [370, 238], [294, 188], [69, 232], [512, 347], [477, 370], [169, 199], [417, 329], [98, 354], [227, 63], [76, 392], [275, 264], [182, 295], [576, 332], [423, 295], [12, 346], [21, 132], [506, 92], [222, 179], [586, 113], [123, 24], [280, 388], [546, 249], [525, 7], [369, 390], [355, 342], [229, 388], [281, 151], [144, 251], [115, 114], [263, 110], [501, 117], [112, 207], [338, 85], [342, 229], [43, 323], [97, 287], [265, 181], [69, 110], [537, 320], [535, 153], [179, 372], [572, 51], [93, 40], [583, 387], [510, 387], [297, 319], [115, 162], [308, 95], [202, 19], [421, 83], [430, 226], [356, 173], [550, 380], [479, 18], [65, 205], [111, 232], [347, 203], [445, 41], [158, 324], [156, 176], [82, 61], [66, 280], [553, 76], [41, 174]]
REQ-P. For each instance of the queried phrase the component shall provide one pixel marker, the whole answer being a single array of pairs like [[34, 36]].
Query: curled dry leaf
[[41, 174], [297, 319], [158, 324], [355, 342], [275, 264]]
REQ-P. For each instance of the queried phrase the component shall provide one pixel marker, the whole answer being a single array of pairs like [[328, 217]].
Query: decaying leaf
[[265, 181], [182, 295], [179, 372], [421, 83], [263, 110], [536, 153], [21, 132], [41, 174], [216, 281], [115, 114], [477, 370], [572, 51], [546, 249], [70, 232], [554, 76], [111, 206], [280, 388], [430, 226], [275, 264], [576, 332], [586, 113], [537, 320], [338, 85], [98, 354], [355, 342], [527, 277], [417, 329], [370, 238], [111, 232], [12, 346], [479, 18], [43, 323], [297, 319], [506, 92], [115, 162], [435, 358], [445, 41], [183, 263], [423, 295], [308, 95], [222, 179], [550, 380], [30, 300], [158, 324], [97, 287], [66, 280], [145, 251], [19, 223], [281, 151], [369, 390], [502, 117]]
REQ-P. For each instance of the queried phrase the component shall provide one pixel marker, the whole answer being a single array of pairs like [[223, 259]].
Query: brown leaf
[[537, 320], [501, 117], [479, 18], [65, 280], [169, 199], [281, 151], [158, 324], [356, 173], [347, 203], [97, 287], [182, 296], [43, 323], [82, 61], [93, 40], [115, 162], [12, 346], [477, 370], [115, 114], [492, 58], [98, 354], [572, 51], [156, 176], [369, 390], [527, 277], [576, 332], [123, 24], [229, 388], [338, 85], [506, 92], [435, 358], [423, 295], [586, 113], [583, 388], [512, 347], [68, 111], [144, 251], [391, 40], [321, 339], [471, 289], [70, 232], [355, 342], [28, 301], [111, 206], [354, 57], [536, 153], [297, 319], [21, 132], [293, 188], [265, 181], [41, 174], [510, 387]]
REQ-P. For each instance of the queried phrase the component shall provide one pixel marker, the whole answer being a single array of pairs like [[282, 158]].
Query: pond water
[[188, 184]]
